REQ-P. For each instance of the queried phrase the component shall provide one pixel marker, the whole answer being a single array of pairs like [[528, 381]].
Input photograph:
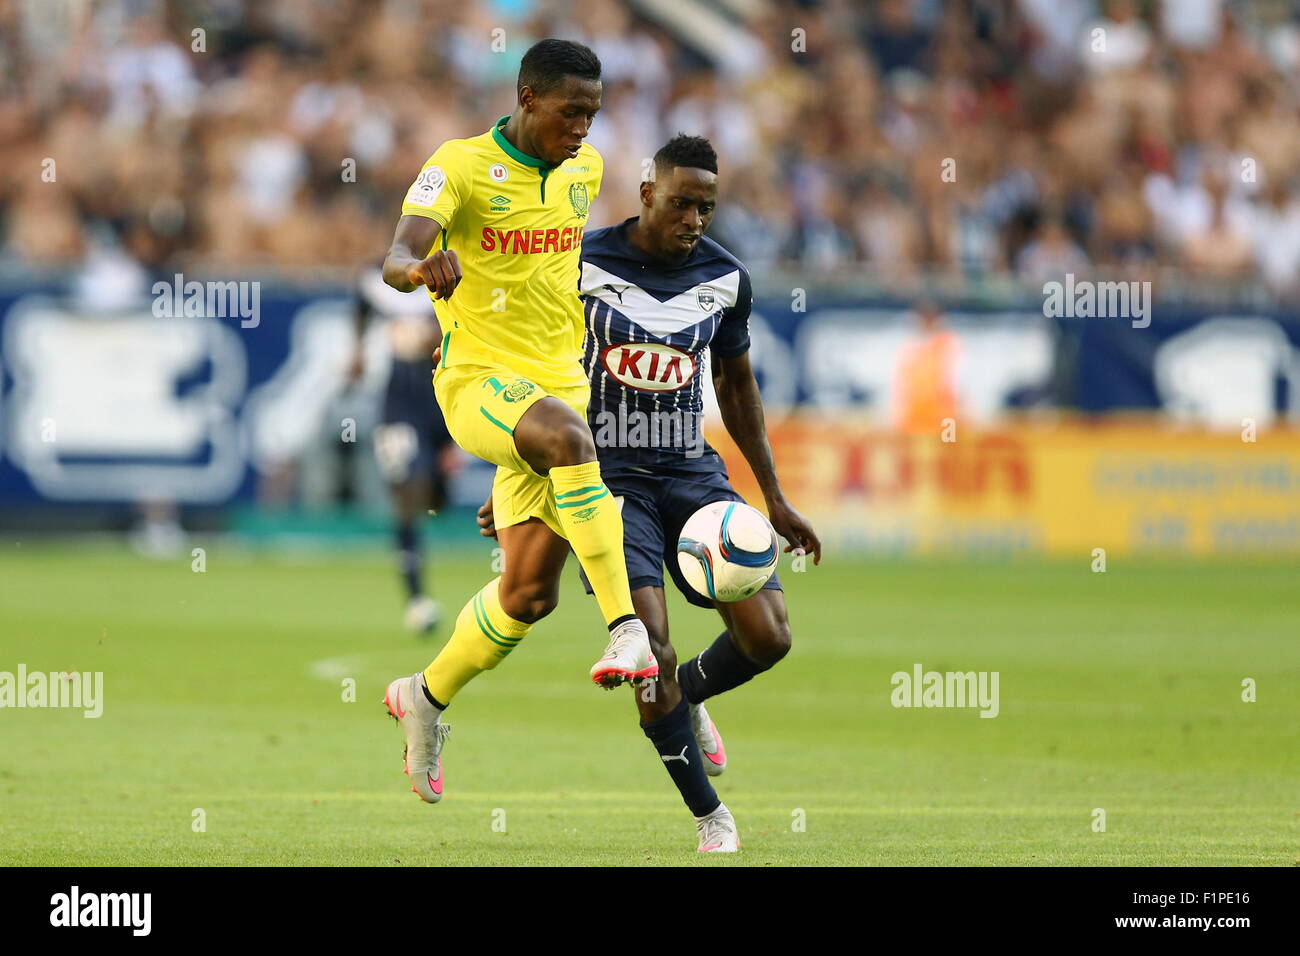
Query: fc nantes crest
[[518, 389], [578, 199]]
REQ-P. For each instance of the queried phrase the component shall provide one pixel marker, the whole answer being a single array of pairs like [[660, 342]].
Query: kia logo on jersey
[[649, 366]]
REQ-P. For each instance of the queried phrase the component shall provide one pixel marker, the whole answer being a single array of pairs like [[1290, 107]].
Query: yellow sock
[[592, 523], [484, 635]]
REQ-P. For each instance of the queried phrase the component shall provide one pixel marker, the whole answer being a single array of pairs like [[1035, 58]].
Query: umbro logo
[[499, 203]]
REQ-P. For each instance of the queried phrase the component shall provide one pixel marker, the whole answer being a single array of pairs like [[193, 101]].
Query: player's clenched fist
[[440, 272]]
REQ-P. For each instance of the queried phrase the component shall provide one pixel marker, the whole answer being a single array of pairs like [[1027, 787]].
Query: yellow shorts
[[482, 404]]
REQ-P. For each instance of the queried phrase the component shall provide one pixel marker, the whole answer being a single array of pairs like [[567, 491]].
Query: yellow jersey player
[[512, 204]]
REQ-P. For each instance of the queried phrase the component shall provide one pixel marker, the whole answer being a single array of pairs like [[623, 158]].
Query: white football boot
[[423, 614], [718, 833], [710, 741], [628, 657], [425, 734]]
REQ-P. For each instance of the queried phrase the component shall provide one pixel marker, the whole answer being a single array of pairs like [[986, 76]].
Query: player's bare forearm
[[396, 266], [410, 264], [742, 413], [413, 232]]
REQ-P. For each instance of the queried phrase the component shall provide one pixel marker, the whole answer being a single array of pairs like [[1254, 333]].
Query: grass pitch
[[224, 693]]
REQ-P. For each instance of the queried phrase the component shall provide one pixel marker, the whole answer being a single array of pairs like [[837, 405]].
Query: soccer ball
[[727, 551]]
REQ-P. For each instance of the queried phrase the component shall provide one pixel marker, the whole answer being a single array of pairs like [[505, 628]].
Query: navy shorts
[[655, 506], [409, 443]]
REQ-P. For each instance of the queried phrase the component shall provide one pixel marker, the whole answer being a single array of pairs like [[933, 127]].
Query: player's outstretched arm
[[410, 264], [742, 413]]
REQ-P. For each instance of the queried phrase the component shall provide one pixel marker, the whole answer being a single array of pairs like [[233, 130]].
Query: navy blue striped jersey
[[648, 326]]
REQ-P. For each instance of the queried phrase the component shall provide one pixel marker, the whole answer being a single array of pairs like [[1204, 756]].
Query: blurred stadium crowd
[[1164, 142]]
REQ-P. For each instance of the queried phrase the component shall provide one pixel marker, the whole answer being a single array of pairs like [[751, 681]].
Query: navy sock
[[675, 742], [408, 558], [718, 667]]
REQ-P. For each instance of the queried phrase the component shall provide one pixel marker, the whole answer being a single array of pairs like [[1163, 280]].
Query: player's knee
[[570, 443], [533, 609], [769, 645], [528, 603]]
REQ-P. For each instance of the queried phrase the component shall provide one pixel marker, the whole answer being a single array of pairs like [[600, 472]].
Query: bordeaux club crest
[[704, 296]]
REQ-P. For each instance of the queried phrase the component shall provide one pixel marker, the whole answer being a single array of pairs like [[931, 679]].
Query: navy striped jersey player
[[650, 329], [665, 306]]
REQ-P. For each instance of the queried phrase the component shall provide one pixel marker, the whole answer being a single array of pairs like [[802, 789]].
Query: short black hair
[[694, 152], [549, 61]]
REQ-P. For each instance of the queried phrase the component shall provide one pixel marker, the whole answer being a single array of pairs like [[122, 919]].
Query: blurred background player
[[414, 451], [925, 394], [657, 295]]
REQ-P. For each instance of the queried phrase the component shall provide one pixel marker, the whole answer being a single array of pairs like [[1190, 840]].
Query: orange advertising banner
[[1062, 489]]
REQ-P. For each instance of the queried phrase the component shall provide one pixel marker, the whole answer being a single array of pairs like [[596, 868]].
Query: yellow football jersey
[[516, 225]]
